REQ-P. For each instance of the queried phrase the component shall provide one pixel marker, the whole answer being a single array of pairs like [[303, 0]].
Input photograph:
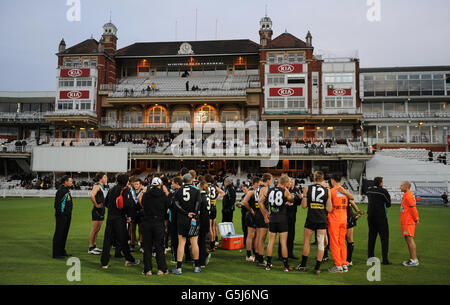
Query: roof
[[88, 46], [27, 96], [286, 41], [406, 69], [206, 47]]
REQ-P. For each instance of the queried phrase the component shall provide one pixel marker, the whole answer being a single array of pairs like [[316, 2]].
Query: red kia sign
[[286, 92], [286, 68], [339, 92], [75, 72], [74, 95]]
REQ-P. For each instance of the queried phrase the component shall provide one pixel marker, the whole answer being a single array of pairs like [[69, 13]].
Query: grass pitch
[[27, 226]]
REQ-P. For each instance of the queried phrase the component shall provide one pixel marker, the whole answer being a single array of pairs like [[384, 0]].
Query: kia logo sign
[[75, 72], [286, 92], [338, 91], [74, 94], [285, 68]]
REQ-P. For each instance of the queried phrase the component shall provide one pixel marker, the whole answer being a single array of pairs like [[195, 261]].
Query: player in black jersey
[[250, 203], [205, 206], [187, 202], [137, 190], [317, 198], [278, 199], [97, 197], [351, 223], [215, 193], [262, 223]]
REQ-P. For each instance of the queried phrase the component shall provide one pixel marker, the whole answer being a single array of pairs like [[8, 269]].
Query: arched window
[[157, 115], [205, 114]]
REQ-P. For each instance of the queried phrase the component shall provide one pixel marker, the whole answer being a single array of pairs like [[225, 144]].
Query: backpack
[[120, 200]]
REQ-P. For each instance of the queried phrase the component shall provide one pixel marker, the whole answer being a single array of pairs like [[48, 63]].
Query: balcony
[[132, 87], [114, 124], [406, 115], [22, 117]]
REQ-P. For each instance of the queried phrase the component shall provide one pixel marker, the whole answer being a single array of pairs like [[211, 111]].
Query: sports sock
[[317, 265], [350, 247], [304, 261], [254, 252], [217, 238], [249, 253], [269, 260], [179, 265], [285, 262], [197, 263], [211, 244]]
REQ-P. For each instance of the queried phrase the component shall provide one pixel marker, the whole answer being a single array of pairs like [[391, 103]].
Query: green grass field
[[27, 227]]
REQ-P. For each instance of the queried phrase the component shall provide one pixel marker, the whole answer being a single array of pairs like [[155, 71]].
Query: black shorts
[[351, 222], [213, 212], [184, 225], [259, 220], [98, 214], [250, 220], [316, 226], [278, 225]]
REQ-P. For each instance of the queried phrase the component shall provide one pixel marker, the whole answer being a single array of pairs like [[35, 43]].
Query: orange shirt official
[[408, 214], [340, 203], [408, 211]]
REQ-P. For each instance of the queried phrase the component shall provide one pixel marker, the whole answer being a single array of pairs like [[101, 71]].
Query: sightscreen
[[79, 159]]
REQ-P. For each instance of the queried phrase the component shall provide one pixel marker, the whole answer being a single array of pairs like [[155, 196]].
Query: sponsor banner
[[448, 139], [339, 92], [286, 68], [74, 95], [75, 72], [286, 92]]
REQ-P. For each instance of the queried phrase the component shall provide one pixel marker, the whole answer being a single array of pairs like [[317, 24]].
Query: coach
[[156, 205], [63, 216], [377, 218], [228, 201]]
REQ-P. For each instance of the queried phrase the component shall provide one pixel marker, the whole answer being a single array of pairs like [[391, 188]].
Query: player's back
[[340, 204], [317, 198], [277, 201], [187, 196]]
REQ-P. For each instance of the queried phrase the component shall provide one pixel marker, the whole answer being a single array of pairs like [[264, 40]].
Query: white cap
[[156, 181]]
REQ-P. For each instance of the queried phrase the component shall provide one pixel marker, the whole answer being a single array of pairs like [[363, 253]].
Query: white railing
[[40, 193], [71, 113], [33, 116]]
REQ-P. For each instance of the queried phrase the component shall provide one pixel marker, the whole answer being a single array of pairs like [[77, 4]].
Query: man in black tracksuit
[[379, 202], [116, 223], [156, 205], [63, 216], [228, 201]]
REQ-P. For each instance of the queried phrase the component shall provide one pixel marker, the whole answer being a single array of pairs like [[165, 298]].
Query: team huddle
[[183, 210]]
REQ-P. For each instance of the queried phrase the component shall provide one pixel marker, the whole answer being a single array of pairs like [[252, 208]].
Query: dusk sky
[[409, 33]]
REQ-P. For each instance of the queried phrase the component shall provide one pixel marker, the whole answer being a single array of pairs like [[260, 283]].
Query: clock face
[[185, 48]]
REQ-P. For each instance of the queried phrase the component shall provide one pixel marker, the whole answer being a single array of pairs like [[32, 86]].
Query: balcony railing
[[120, 124], [71, 113], [405, 115], [22, 116]]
